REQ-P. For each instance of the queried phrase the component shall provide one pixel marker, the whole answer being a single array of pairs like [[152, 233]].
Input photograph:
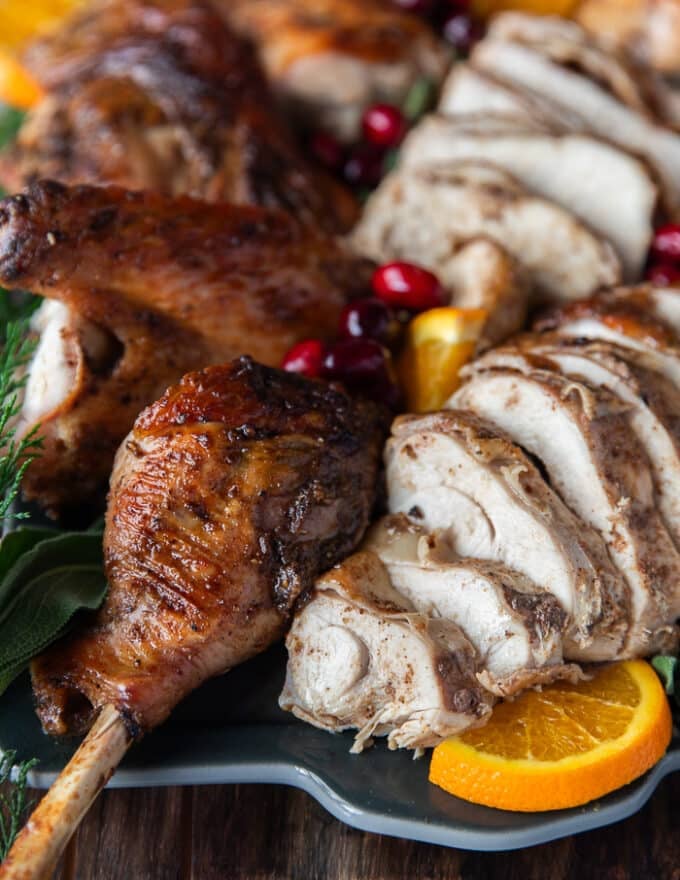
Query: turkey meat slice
[[566, 43], [361, 656], [454, 474], [468, 90], [654, 402], [562, 258], [515, 627], [623, 323], [583, 438], [601, 113], [483, 275], [611, 191]]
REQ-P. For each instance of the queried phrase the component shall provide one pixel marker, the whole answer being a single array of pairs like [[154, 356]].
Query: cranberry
[[369, 319], [351, 359], [420, 7], [306, 358], [407, 286], [364, 166], [384, 125], [666, 242], [362, 365], [663, 274], [462, 30], [327, 150]]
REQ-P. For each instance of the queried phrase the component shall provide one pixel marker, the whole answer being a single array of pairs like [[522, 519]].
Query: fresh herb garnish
[[14, 804], [16, 454], [11, 121], [668, 669]]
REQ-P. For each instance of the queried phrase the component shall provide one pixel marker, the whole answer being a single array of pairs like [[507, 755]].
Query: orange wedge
[[17, 86], [563, 746], [438, 343], [20, 21], [538, 7]]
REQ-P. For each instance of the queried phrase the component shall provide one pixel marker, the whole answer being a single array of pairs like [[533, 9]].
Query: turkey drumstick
[[230, 496]]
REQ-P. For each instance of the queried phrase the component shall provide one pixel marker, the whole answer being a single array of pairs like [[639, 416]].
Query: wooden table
[[249, 832]]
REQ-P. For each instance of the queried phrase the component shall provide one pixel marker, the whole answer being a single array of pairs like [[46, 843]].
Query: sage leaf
[[42, 590]]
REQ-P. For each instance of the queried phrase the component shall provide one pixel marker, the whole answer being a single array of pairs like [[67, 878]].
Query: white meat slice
[[601, 113], [360, 656], [593, 459], [483, 275], [598, 319], [605, 187], [565, 42], [453, 473], [654, 402], [563, 259], [468, 91], [515, 627]]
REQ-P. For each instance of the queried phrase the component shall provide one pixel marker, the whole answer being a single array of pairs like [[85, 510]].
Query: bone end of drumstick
[[42, 840]]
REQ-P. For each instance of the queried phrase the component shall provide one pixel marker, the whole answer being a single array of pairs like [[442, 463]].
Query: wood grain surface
[[251, 832]]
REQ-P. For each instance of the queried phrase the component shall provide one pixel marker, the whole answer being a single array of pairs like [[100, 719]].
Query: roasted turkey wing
[[172, 285], [160, 94]]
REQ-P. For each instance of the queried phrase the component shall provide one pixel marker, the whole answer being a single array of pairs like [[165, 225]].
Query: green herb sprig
[[16, 454], [14, 804]]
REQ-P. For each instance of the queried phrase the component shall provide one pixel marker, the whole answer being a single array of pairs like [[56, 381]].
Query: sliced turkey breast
[[620, 321], [566, 43], [451, 472], [470, 91], [654, 402], [593, 459], [601, 113], [609, 190], [483, 275], [360, 656], [462, 200], [515, 627]]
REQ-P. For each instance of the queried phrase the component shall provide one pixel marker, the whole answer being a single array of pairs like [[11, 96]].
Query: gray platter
[[231, 730]]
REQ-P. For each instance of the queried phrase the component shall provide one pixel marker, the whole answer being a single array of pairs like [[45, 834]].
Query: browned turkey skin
[[174, 285], [160, 94], [230, 496]]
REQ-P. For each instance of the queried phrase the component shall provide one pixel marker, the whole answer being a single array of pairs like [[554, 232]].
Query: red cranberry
[[306, 358], [369, 319], [364, 166], [462, 31], [351, 359], [666, 242], [327, 150], [420, 7], [384, 125], [664, 274], [407, 286], [362, 365]]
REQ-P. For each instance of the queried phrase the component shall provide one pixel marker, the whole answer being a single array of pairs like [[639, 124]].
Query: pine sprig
[[15, 454], [14, 804]]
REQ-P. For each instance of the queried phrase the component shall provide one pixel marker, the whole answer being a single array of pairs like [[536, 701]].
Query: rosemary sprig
[[14, 804], [15, 454]]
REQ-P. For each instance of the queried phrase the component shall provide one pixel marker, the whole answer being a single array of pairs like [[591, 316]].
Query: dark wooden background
[[251, 832]]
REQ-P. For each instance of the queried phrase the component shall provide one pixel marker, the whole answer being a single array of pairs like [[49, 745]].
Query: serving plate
[[231, 730]]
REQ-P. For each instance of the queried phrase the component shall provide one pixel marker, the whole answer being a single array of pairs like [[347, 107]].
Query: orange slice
[[538, 7], [562, 746], [20, 21], [438, 343], [17, 86]]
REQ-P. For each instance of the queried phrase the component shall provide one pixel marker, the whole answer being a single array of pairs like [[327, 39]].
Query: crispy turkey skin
[[230, 496]]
